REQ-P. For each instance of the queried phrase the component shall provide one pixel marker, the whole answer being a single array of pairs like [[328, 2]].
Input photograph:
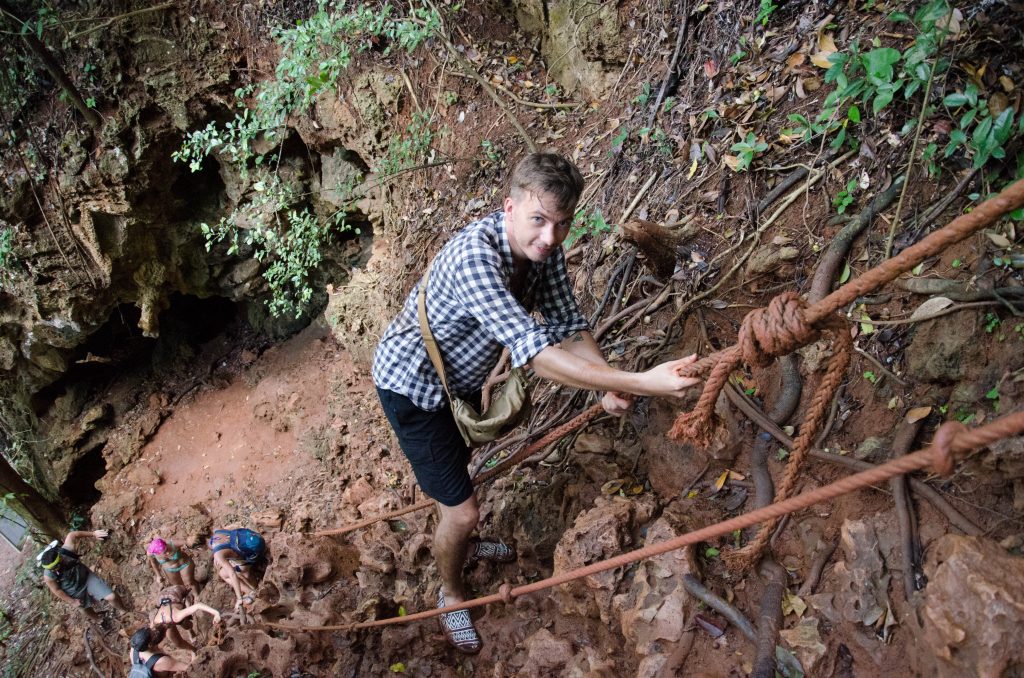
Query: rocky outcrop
[[973, 608]]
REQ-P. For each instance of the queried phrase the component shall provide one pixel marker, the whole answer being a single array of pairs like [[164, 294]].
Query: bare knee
[[462, 518]]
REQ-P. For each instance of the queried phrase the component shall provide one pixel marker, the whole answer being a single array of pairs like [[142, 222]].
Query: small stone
[[870, 447]]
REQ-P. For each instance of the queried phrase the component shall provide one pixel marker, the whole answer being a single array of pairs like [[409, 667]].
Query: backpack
[[142, 669], [250, 545]]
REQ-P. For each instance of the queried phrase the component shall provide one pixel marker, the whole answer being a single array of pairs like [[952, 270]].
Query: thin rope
[[952, 442]]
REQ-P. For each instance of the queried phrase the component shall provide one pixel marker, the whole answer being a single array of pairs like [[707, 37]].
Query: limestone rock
[[546, 652], [653, 612], [941, 349], [597, 534], [973, 608], [769, 258]]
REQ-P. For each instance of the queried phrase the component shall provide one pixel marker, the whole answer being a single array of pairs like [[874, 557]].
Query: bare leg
[[451, 542], [244, 583], [188, 575], [115, 602], [174, 578], [176, 638]]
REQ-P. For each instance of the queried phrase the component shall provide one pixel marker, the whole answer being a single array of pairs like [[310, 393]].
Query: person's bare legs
[[188, 576], [115, 602], [451, 542], [179, 640], [174, 578]]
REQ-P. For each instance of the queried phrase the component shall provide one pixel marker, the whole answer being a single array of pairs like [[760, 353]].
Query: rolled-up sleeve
[[557, 303], [480, 286]]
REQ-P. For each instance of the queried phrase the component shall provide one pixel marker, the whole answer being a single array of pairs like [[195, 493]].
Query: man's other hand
[[616, 404]]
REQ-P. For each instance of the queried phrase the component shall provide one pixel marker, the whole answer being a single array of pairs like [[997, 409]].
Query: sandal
[[458, 629], [495, 551]]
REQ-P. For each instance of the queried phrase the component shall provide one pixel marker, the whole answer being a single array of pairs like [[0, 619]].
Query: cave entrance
[[79, 488]]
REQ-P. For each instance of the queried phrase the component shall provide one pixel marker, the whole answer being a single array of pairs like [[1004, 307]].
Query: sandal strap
[[494, 550], [459, 629]]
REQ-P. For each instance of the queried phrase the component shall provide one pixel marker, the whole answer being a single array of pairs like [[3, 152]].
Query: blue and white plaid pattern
[[472, 314]]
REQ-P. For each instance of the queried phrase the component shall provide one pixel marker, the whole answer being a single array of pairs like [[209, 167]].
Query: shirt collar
[[504, 246]]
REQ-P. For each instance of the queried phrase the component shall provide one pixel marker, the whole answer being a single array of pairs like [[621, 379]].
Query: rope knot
[[941, 448], [505, 591], [776, 330]]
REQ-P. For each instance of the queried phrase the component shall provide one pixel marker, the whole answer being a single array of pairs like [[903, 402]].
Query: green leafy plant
[[490, 151], [644, 96], [875, 77], [273, 221], [870, 376], [746, 150], [983, 134], [592, 224], [737, 56], [765, 10], [991, 322], [844, 198]]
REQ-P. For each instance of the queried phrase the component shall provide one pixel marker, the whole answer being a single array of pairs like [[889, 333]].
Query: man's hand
[[664, 380], [100, 534], [617, 404]]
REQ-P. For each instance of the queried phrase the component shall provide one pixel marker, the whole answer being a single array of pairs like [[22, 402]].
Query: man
[[481, 285], [69, 579]]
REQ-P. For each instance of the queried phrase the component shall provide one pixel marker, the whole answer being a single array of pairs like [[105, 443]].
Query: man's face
[[536, 228]]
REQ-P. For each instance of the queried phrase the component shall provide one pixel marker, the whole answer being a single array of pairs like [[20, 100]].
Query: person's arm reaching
[[583, 345], [569, 368], [71, 540], [181, 615]]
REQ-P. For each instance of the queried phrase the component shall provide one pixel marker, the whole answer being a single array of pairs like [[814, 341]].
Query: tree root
[[828, 265], [923, 489], [823, 551], [902, 443], [702, 593], [770, 619]]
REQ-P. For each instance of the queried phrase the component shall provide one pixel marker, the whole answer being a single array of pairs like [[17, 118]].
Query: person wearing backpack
[[145, 660], [235, 552], [69, 579]]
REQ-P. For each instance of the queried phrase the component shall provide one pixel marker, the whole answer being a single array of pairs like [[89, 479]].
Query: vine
[[272, 220]]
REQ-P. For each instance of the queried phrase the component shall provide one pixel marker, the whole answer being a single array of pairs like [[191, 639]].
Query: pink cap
[[156, 547]]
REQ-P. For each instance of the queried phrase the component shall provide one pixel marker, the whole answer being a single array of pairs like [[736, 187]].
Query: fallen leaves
[[826, 48]]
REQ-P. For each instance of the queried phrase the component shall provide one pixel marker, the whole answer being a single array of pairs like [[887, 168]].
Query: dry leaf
[[792, 604], [826, 48], [933, 305], [998, 239], [795, 60], [917, 414], [720, 483], [733, 475], [710, 68], [732, 161], [612, 486]]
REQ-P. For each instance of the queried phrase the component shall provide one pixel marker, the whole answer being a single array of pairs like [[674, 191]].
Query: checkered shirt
[[473, 314]]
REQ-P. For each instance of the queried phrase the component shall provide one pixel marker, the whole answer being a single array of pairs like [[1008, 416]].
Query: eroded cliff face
[[107, 231]]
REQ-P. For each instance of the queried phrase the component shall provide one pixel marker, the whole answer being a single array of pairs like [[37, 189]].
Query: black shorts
[[433, 445]]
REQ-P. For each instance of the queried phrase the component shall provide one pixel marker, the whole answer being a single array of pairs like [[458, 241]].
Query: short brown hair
[[550, 173]]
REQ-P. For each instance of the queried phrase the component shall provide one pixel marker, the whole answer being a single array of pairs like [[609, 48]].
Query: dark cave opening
[[79, 489]]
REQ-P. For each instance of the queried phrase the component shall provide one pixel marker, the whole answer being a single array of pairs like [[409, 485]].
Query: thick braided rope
[[579, 421], [695, 425], [952, 442], [787, 324], [842, 347]]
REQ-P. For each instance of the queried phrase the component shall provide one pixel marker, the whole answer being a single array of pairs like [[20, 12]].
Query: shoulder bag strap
[[428, 338]]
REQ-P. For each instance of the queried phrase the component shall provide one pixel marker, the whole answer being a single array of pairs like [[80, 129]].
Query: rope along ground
[[952, 442]]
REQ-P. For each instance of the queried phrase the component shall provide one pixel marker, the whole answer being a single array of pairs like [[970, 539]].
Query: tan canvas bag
[[505, 411]]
